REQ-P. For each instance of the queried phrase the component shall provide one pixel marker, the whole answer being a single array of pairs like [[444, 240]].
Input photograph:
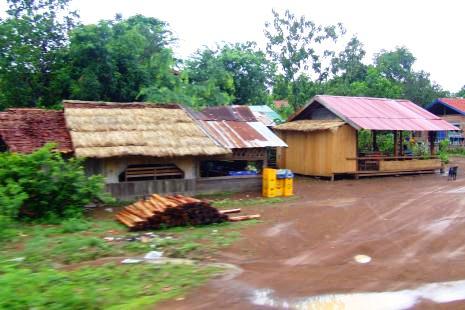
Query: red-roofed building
[[323, 136], [26, 130], [453, 111]]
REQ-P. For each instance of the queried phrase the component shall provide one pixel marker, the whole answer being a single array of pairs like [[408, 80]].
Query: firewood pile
[[176, 210]]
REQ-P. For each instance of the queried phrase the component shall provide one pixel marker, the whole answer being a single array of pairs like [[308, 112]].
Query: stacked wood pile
[[176, 210]]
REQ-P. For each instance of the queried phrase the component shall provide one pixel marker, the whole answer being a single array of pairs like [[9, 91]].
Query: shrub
[[44, 185]]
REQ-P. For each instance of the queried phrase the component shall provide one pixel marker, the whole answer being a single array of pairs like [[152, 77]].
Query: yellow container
[[269, 183], [288, 187], [269, 174], [279, 187], [269, 192]]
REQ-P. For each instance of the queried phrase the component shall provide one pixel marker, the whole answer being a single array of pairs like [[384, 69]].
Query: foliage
[[119, 287], [443, 150], [297, 44], [348, 64], [384, 140], [461, 92], [102, 67], [421, 149], [43, 185], [395, 65], [33, 39]]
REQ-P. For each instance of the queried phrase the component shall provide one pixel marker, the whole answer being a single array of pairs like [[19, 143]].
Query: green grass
[[237, 203], [104, 287], [53, 266]]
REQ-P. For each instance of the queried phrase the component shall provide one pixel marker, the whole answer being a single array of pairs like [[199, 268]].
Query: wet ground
[[302, 256]]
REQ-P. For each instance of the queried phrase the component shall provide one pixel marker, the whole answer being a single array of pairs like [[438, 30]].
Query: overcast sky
[[432, 30]]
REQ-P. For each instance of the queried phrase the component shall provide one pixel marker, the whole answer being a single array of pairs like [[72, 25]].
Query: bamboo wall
[[319, 153]]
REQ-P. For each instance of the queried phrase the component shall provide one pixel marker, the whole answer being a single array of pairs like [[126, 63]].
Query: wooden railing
[[396, 163]]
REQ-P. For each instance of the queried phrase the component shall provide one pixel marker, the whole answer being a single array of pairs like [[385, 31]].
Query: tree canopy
[[47, 55]]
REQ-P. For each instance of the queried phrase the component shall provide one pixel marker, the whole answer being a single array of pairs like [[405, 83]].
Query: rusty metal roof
[[26, 130], [379, 113], [236, 127], [228, 113]]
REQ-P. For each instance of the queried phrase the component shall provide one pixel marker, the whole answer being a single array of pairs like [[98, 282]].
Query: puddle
[[442, 292], [362, 259], [277, 229], [458, 190]]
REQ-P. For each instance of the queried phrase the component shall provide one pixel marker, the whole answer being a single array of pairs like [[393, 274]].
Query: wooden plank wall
[[319, 153], [345, 146]]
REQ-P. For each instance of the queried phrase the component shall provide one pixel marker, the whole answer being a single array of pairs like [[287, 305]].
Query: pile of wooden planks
[[176, 210]]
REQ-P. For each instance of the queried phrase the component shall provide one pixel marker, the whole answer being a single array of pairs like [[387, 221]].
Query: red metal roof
[[237, 127], [26, 130], [457, 103], [381, 113]]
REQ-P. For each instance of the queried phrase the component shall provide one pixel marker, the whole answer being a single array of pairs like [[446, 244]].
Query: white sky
[[432, 30]]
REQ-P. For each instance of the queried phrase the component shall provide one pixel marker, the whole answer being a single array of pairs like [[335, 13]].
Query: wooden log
[[230, 211], [243, 217]]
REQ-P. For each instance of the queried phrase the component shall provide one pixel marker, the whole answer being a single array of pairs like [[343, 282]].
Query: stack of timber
[[174, 210]]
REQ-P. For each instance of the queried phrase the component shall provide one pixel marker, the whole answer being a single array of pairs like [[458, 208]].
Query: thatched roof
[[102, 129], [310, 125]]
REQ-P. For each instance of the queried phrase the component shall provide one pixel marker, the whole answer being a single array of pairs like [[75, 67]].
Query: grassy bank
[[77, 264]]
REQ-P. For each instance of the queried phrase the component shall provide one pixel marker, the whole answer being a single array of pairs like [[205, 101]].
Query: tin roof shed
[[374, 113]]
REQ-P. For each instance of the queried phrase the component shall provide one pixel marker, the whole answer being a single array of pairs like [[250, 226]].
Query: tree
[[103, 67], [419, 89], [296, 44], [461, 92], [395, 65], [252, 73], [348, 64], [33, 39]]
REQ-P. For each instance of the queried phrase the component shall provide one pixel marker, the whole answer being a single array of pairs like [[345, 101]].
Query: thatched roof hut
[[104, 129], [309, 125]]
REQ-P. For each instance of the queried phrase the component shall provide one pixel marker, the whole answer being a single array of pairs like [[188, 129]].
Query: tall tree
[[252, 73], [115, 59], [299, 45], [348, 63], [395, 65], [33, 38]]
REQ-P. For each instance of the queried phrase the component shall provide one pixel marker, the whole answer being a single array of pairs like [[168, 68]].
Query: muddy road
[[302, 256]]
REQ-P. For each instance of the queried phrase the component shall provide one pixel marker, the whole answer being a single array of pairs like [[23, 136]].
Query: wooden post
[[401, 143], [432, 136], [374, 143], [356, 150], [395, 142]]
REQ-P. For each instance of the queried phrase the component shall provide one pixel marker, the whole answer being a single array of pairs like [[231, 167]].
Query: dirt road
[[412, 228]]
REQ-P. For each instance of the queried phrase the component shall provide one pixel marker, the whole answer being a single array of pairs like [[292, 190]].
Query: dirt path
[[413, 228]]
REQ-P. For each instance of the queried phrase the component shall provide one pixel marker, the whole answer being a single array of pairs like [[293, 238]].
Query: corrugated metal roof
[[234, 134], [229, 113], [266, 115], [25, 130], [236, 127], [456, 103], [381, 113]]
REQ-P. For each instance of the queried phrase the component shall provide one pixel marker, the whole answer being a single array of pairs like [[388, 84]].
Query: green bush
[[43, 185]]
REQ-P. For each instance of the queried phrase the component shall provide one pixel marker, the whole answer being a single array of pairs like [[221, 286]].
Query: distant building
[[451, 110]]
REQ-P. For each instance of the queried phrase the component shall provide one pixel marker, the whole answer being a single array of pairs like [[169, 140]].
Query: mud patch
[[442, 292]]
